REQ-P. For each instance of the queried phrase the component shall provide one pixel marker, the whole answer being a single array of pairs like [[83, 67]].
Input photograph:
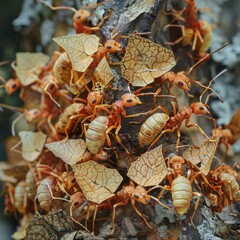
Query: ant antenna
[[129, 90], [50, 95], [57, 8], [205, 58], [96, 4], [4, 62], [208, 87]]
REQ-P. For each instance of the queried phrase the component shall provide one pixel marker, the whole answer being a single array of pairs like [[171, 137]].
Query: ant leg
[[159, 136], [119, 139], [199, 128], [114, 213], [195, 206], [139, 213], [180, 38]]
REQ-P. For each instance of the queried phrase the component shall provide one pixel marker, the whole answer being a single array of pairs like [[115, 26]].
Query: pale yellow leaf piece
[[32, 144], [145, 60], [69, 150], [202, 156], [149, 169], [21, 231], [80, 48], [29, 66], [103, 72], [97, 182]]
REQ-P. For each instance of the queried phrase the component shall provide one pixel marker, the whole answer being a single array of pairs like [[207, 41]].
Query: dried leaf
[[50, 227], [32, 144], [21, 231], [97, 182], [29, 66], [145, 60], [135, 10], [201, 156], [103, 72], [149, 169], [13, 172], [80, 48], [10, 143], [69, 150]]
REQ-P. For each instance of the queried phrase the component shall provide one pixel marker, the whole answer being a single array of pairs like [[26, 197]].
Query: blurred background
[[29, 26]]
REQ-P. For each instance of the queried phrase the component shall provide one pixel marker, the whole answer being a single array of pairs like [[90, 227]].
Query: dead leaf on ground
[[97, 182], [145, 60], [80, 48], [69, 150], [32, 144], [53, 226], [103, 73], [29, 65], [149, 169], [201, 156]]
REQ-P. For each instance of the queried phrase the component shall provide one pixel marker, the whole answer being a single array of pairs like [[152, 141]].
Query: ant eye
[[94, 101], [35, 112], [129, 100], [79, 16], [75, 203], [14, 85], [109, 47], [180, 84], [73, 180], [201, 108], [52, 86], [136, 196]]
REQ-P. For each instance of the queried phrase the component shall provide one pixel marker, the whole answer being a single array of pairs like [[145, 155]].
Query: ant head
[[113, 46], [177, 160], [182, 81], [94, 98], [77, 199], [32, 115], [12, 86], [80, 16], [130, 100], [140, 195], [199, 108]]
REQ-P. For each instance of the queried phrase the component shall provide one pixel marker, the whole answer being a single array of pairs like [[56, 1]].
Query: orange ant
[[81, 16], [174, 122], [182, 79], [113, 121], [134, 194], [195, 32]]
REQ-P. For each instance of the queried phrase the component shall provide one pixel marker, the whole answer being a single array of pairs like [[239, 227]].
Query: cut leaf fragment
[[202, 156], [29, 66], [103, 73], [32, 144], [145, 60], [69, 150], [97, 182], [80, 48], [149, 169]]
